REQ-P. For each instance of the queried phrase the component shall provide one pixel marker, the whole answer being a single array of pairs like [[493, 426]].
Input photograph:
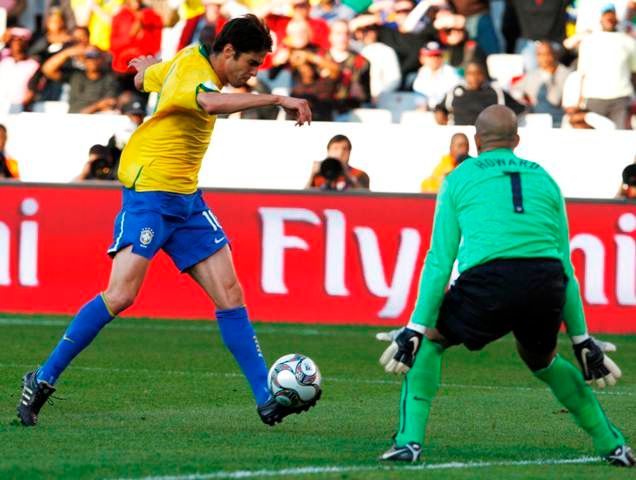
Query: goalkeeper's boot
[[34, 395], [621, 457], [408, 453], [273, 412]]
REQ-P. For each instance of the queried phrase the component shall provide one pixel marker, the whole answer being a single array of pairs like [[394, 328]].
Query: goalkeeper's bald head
[[496, 127]]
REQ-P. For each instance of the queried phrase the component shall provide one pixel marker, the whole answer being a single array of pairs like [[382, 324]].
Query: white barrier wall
[[278, 155]]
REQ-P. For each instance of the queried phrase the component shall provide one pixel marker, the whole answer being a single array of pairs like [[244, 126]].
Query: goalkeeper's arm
[[590, 353]]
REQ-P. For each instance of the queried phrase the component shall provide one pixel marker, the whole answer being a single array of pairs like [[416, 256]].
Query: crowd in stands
[[572, 60]]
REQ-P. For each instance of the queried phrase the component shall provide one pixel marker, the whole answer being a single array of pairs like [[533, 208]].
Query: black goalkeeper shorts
[[522, 296]]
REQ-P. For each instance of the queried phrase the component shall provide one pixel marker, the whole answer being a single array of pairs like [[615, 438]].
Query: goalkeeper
[[504, 219]]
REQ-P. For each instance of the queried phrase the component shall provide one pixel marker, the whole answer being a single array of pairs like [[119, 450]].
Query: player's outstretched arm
[[141, 64], [226, 103]]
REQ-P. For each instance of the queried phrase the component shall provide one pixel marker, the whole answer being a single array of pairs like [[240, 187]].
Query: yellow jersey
[[166, 151]]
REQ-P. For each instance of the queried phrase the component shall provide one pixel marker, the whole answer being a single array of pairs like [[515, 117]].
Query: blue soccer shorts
[[182, 225]]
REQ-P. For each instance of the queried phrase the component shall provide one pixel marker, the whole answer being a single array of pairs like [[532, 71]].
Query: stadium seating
[[503, 67], [371, 115], [536, 120], [418, 118], [398, 102]]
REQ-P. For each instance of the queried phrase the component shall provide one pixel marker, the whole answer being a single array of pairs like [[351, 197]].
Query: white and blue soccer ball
[[294, 379]]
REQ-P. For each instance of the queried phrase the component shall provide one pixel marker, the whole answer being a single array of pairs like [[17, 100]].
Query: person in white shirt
[[542, 88], [385, 70], [435, 78], [607, 63]]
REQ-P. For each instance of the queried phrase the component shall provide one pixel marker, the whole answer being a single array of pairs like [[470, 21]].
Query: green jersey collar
[[205, 51], [497, 152]]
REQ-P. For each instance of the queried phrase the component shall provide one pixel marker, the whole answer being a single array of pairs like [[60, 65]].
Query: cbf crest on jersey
[[146, 236]]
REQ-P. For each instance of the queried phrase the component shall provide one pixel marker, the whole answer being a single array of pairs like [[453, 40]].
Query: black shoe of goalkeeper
[[621, 457], [408, 453], [34, 395], [273, 412]]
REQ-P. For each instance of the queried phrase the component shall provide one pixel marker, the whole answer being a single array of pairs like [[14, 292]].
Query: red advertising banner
[[301, 257]]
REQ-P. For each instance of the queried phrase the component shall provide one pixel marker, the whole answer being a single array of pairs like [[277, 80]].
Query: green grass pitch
[[164, 399]]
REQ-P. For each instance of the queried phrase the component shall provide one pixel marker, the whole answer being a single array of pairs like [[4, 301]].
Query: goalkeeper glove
[[597, 366], [400, 355]]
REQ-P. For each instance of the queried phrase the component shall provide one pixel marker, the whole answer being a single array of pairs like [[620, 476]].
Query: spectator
[[67, 12], [586, 12], [330, 10], [54, 38], [628, 187], [576, 116], [542, 89], [607, 63], [384, 67], [300, 12], [136, 31], [100, 15], [100, 165], [464, 103], [211, 17], [91, 90], [459, 49], [538, 20], [323, 177], [479, 24], [353, 87], [13, 9], [434, 78], [306, 71], [457, 154], [406, 43], [8, 165], [16, 69]]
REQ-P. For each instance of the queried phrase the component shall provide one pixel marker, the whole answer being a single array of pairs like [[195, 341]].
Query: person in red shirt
[[211, 17], [301, 10], [136, 31]]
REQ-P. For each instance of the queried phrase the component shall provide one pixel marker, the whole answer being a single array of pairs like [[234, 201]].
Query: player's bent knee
[[118, 301], [535, 360]]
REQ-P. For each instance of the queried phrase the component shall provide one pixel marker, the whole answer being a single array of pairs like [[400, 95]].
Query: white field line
[[339, 469], [210, 327], [365, 381]]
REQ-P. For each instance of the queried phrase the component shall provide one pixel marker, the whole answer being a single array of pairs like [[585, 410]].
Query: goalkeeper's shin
[[418, 390], [568, 387]]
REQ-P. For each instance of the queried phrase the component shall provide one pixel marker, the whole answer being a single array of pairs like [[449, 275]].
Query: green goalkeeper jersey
[[490, 207]]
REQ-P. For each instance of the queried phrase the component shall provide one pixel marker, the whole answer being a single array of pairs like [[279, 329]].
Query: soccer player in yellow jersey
[[163, 209]]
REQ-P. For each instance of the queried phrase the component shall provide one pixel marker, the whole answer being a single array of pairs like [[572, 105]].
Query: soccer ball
[[294, 379]]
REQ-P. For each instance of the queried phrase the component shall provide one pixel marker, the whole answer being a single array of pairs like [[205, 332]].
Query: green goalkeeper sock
[[568, 386], [418, 390]]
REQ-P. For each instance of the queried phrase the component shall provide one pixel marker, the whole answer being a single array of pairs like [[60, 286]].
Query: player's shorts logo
[[145, 237]]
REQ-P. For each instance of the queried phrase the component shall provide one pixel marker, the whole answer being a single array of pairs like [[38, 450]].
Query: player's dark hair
[[3, 128], [338, 139], [245, 34]]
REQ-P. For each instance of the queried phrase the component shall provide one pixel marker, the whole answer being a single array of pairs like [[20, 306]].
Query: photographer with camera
[[100, 165], [329, 175]]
